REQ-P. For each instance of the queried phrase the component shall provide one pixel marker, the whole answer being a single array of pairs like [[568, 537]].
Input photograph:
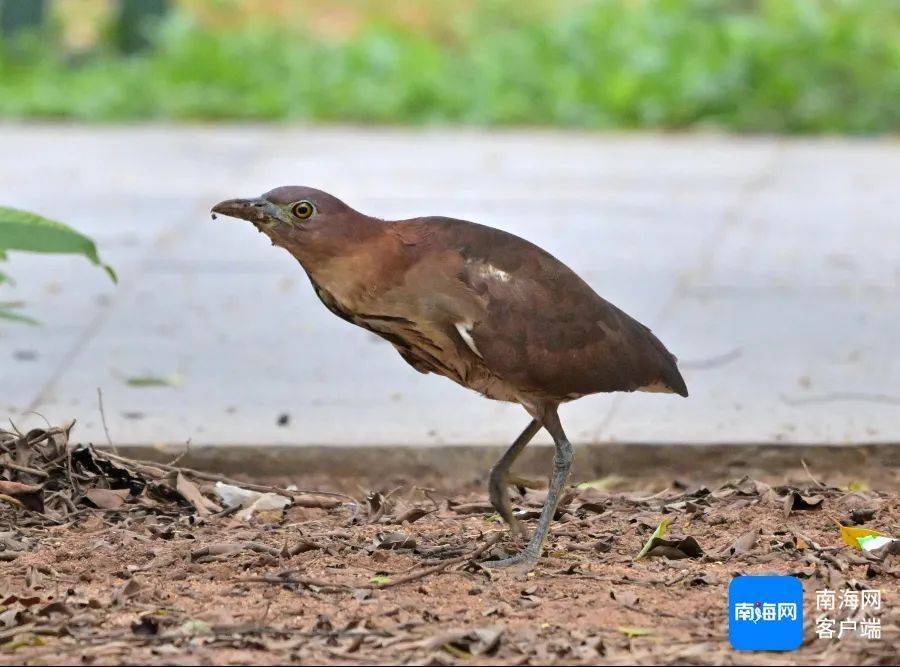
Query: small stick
[[302, 581], [15, 428], [45, 435], [187, 450], [428, 495], [46, 421], [305, 581], [809, 474], [68, 503], [491, 541], [15, 502], [21, 468], [653, 497], [228, 511], [265, 615], [103, 420], [212, 477]]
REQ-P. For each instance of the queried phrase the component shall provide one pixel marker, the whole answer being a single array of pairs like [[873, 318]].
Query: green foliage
[[746, 65], [21, 230], [7, 313]]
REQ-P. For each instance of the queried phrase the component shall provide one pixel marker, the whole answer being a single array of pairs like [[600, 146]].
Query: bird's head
[[300, 219]]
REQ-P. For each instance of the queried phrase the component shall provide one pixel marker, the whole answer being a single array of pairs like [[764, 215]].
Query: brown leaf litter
[[106, 560]]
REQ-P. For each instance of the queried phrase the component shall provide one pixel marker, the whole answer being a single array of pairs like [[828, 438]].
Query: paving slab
[[771, 267]]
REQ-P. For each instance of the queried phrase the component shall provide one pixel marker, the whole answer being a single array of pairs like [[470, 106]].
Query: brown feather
[[542, 328], [480, 306]]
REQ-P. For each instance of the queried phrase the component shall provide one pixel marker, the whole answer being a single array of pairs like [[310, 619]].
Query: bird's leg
[[499, 479], [562, 461]]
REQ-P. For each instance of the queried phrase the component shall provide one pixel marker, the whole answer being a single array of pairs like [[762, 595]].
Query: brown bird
[[480, 306]]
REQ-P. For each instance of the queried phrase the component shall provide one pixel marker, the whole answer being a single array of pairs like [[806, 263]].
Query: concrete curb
[[470, 463]]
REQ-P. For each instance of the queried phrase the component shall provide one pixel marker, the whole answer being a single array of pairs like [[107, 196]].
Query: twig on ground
[[228, 511], [414, 576], [654, 496], [213, 477], [26, 469], [187, 450], [15, 428], [232, 548], [65, 500], [809, 474], [46, 421], [44, 435], [427, 492], [103, 420], [15, 502], [224, 631], [306, 582]]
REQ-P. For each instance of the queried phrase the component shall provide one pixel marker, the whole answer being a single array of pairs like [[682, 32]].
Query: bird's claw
[[517, 531], [527, 558]]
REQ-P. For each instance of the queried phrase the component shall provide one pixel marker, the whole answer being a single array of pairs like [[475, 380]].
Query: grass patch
[[797, 66]]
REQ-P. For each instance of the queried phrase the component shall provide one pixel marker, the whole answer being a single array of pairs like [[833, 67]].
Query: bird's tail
[[670, 376], [674, 380]]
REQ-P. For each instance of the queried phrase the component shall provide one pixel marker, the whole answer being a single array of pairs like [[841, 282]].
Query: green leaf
[[7, 314], [603, 484], [851, 535], [21, 230], [659, 532], [194, 627], [153, 381], [379, 580], [22, 641], [630, 631], [854, 537]]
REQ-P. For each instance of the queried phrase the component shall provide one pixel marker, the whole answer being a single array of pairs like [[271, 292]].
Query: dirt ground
[[119, 568]]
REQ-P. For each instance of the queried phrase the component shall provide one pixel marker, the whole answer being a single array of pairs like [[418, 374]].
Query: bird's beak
[[254, 210]]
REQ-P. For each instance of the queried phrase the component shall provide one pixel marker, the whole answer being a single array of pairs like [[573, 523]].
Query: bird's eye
[[302, 209]]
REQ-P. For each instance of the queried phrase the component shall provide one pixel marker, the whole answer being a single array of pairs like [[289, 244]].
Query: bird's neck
[[359, 269]]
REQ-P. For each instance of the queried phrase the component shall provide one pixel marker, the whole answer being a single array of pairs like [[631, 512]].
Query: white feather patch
[[491, 271], [656, 388], [465, 332]]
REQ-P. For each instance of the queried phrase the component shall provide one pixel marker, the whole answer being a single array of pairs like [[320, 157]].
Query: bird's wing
[[543, 328]]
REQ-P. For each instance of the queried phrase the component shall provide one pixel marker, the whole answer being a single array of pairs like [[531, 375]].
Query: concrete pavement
[[771, 267]]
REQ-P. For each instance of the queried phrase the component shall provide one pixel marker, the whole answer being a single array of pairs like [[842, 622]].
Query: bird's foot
[[517, 531], [526, 559]]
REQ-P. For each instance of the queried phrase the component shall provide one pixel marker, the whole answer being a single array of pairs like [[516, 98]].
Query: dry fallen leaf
[[744, 544], [30, 496], [412, 515], [107, 499], [794, 501], [674, 549], [467, 643], [627, 598], [394, 540], [191, 493], [129, 590]]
